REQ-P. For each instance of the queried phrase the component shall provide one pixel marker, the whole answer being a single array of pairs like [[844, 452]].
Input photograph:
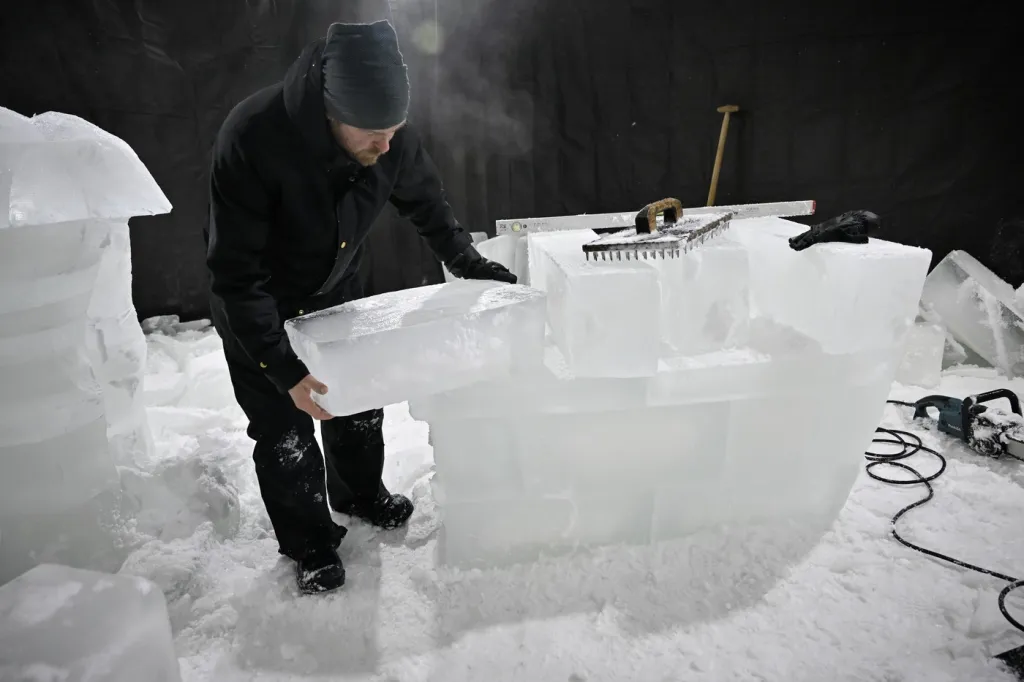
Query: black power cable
[[912, 445]]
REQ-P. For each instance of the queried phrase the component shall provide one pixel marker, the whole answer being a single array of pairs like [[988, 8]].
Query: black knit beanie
[[366, 81]]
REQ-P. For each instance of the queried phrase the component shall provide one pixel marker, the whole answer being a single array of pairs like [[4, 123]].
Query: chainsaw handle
[[995, 394], [647, 218], [940, 402]]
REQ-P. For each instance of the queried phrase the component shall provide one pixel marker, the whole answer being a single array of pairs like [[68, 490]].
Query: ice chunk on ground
[[922, 362], [67, 624], [847, 297], [407, 344], [979, 309], [604, 315]]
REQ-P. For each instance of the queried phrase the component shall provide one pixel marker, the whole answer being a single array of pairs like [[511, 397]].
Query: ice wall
[[755, 380], [68, 189]]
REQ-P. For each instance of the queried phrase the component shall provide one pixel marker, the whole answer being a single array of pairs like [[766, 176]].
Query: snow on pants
[[291, 467]]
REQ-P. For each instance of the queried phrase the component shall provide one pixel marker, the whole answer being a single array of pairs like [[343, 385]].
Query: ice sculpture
[[66, 186], [72, 625], [764, 395]]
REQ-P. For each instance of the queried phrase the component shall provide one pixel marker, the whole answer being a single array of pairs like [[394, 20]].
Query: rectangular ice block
[[922, 359], [846, 297], [67, 624], [705, 297], [408, 344], [604, 315], [548, 389], [979, 309]]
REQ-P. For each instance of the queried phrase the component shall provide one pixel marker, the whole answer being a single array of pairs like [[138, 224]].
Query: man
[[301, 170]]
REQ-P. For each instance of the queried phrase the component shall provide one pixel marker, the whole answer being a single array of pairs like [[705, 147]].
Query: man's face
[[365, 146]]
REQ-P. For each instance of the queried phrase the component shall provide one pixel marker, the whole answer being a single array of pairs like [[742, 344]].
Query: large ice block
[[979, 309], [406, 344], [604, 315], [847, 297], [61, 623]]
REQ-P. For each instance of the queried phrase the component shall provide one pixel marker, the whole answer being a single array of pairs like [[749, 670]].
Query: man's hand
[[471, 265], [303, 399]]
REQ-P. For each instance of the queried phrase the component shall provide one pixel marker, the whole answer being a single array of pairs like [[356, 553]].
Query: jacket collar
[[304, 103]]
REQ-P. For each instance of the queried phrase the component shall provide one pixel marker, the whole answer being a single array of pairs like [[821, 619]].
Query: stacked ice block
[[738, 384], [61, 623], [67, 190]]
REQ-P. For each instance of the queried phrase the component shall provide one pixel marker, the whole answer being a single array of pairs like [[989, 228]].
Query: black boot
[[320, 570], [387, 511]]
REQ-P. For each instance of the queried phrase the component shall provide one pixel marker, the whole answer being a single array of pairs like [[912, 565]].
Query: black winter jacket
[[290, 211]]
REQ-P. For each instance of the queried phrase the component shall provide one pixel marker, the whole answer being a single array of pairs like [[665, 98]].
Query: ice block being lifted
[[408, 344]]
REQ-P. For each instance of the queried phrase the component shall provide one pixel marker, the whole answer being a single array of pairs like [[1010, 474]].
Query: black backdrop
[[550, 107]]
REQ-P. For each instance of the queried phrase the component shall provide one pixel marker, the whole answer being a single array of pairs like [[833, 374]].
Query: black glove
[[852, 227], [471, 265]]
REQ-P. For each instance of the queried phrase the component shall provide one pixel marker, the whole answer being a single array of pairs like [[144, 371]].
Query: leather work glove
[[471, 265], [852, 227]]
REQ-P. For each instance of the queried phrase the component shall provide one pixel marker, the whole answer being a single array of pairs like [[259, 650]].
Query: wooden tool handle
[[726, 109], [647, 218]]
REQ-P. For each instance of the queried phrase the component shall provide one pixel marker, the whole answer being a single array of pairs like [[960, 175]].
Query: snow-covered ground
[[858, 606]]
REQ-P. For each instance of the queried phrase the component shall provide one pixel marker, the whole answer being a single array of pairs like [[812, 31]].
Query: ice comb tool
[[673, 236]]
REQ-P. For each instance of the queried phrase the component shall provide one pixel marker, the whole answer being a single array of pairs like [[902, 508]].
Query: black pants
[[290, 466]]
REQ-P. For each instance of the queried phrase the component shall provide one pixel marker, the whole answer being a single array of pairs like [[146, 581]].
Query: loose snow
[[858, 606]]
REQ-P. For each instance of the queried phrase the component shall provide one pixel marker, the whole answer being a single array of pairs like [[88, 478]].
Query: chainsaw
[[986, 430]]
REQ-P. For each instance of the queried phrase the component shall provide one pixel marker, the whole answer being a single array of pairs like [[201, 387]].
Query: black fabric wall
[[550, 107]]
